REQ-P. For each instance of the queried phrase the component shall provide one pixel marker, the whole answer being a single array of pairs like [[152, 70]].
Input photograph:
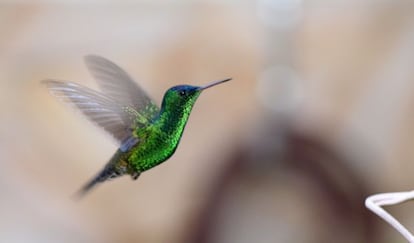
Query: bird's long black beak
[[213, 84]]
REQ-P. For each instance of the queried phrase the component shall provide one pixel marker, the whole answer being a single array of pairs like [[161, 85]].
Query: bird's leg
[[135, 175]]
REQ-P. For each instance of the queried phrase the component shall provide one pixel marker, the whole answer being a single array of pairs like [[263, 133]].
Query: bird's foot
[[135, 175]]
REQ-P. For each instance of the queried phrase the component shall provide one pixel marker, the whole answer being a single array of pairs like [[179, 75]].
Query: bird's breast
[[153, 149]]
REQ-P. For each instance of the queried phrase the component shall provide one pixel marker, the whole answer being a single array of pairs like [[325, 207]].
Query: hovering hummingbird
[[147, 135]]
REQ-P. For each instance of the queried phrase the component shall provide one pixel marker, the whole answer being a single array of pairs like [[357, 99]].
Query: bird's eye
[[182, 93]]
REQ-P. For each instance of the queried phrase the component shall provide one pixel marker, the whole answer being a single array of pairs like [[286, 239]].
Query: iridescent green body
[[147, 135], [160, 138]]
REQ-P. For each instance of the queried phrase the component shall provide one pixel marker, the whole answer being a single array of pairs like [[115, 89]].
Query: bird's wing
[[119, 86], [117, 119]]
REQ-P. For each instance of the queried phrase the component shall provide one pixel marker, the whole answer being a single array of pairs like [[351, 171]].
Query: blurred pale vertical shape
[[279, 86], [280, 14], [280, 90], [249, 214]]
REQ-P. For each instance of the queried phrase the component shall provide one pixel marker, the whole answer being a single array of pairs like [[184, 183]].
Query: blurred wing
[[116, 119], [119, 86]]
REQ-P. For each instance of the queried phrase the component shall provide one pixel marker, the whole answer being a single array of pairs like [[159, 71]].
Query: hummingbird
[[147, 135]]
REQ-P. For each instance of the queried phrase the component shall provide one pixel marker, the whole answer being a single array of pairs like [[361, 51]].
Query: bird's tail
[[110, 171]]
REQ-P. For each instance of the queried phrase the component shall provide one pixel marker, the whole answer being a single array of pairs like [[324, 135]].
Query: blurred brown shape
[[338, 191]]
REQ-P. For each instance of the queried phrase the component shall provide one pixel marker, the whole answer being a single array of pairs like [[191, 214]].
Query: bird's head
[[183, 97]]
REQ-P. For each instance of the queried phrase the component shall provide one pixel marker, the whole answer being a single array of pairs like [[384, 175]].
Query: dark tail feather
[[107, 173], [87, 187]]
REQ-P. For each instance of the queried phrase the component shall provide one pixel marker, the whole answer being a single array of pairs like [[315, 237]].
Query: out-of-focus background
[[318, 116]]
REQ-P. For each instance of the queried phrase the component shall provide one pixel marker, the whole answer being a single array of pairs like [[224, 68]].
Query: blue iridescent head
[[183, 97]]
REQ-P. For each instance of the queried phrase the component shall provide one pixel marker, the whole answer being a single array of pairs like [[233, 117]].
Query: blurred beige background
[[342, 70]]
